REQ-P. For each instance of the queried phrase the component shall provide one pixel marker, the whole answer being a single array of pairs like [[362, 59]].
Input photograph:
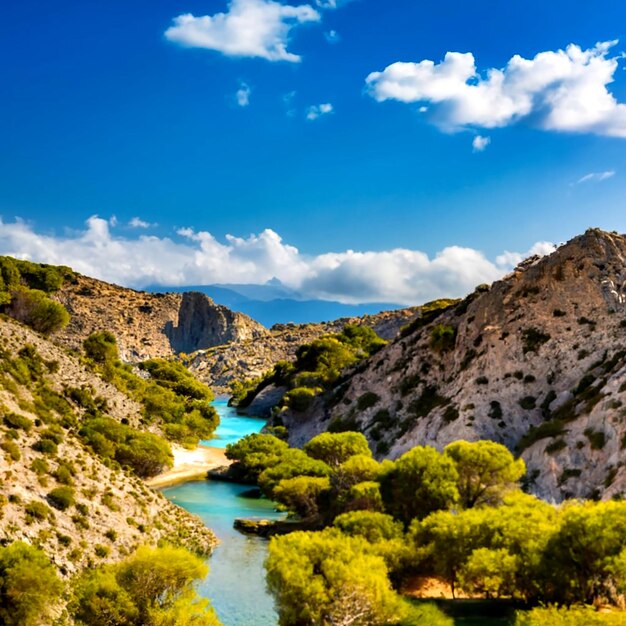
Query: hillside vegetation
[[365, 529], [535, 362], [73, 449]]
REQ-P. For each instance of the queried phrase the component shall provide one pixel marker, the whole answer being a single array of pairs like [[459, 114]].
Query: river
[[236, 581]]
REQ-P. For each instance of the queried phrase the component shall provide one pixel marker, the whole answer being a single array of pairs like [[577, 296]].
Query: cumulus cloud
[[596, 177], [250, 28], [193, 257], [316, 111], [511, 259], [562, 90], [479, 143], [243, 95], [135, 222]]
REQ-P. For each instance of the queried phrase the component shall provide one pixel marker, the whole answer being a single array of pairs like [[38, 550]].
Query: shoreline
[[189, 465]]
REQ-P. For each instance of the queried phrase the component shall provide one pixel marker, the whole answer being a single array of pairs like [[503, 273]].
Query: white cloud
[[316, 111], [512, 259], [136, 222], [243, 95], [562, 90], [479, 143], [250, 28], [596, 177], [195, 257]]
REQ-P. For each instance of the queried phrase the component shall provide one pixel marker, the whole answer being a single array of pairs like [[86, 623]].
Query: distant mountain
[[273, 303]]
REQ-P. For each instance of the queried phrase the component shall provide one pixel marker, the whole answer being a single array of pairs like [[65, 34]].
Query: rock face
[[204, 324], [149, 325], [249, 358], [536, 362], [114, 512]]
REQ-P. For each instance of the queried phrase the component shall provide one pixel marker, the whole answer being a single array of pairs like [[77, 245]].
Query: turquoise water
[[236, 581], [232, 426]]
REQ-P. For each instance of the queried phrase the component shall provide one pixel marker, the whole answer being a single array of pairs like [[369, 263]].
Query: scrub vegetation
[[365, 528]]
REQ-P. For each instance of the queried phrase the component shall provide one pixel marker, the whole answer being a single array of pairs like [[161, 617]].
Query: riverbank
[[190, 465]]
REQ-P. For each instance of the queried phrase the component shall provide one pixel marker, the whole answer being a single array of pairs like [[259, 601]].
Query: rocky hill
[[55, 491], [537, 361], [149, 325], [250, 358]]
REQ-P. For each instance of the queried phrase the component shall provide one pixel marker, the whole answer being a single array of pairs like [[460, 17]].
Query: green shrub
[[145, 453], [101, 347], [426, 314], [528, 402], [550, 429], [40, 467], [13, 420], [597, 438], [533, 339], [33, 308], [442, 338], [300, 398], [101, 551], [568, 616], [367, 400], [30, 589], [495, 410], [12, 450], [37, 511], [46, 446], [62, 498], [63, 475]]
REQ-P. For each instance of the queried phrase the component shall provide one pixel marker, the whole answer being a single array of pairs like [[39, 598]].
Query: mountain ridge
[[536, 361]]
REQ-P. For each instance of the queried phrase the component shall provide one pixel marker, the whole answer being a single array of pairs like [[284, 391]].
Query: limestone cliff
[[537, 362], [149, 325]]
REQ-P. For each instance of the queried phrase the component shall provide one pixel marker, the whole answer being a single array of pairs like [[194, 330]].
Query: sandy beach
[[190, 464]]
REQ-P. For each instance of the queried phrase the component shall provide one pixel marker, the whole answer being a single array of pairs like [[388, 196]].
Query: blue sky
[[104, 111]]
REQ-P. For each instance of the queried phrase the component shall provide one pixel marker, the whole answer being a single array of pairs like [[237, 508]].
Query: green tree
[[370, 525], [101, 347], [292, 463], [421, 481], [30, 589], [357, 469], [336, 448], [522, 526], [255, 453], [99, 599], [487, 471], [152, 587], [326, 578], [35, 309], [489, 572], [363, 496], [302, 494], [579, 559], [363, 339]]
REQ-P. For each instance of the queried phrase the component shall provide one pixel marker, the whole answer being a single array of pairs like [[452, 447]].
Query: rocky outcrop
[[204, 324], [149, 325], [536, 362], [253, 357]]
